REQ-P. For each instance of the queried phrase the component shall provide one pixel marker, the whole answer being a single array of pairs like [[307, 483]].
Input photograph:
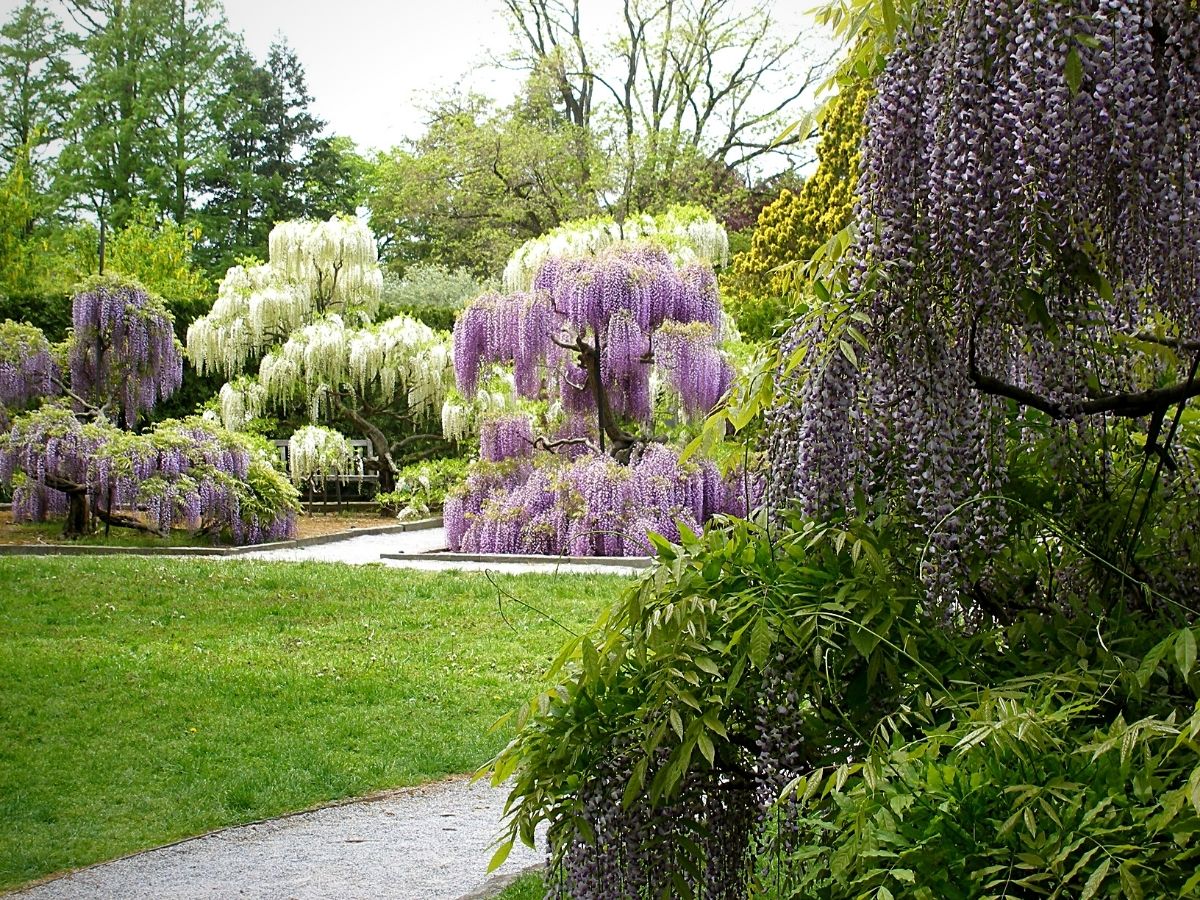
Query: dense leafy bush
[[1046, 752], [430, 293], [422, 488]]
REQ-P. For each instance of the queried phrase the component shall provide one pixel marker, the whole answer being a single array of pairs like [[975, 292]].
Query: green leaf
[[1074, 71], [500, 855], [1185, 651], [1129, 883], [1093, 883], [890, 21], [760, 642], [848, 352], [704, 664], [706, 747], [637, 778], [676, 722]]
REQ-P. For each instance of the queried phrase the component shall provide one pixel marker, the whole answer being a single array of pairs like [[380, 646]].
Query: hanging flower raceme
[[316, 269], [506, 437], [693, 365], [123, 348], [319, 453], [1029, 207], [689, 233], [240, 401], [27, 369], [337, 258], [589, 505]]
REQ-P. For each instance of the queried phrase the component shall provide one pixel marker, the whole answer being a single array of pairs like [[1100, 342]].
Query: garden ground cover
[[145, 700]]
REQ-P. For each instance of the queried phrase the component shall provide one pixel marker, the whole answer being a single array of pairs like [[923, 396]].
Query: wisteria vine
[[188, 473], [123, 349], [1028, 221]]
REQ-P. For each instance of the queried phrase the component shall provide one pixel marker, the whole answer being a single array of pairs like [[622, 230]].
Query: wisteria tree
[[71, 457], [304, 318], [597, 338]]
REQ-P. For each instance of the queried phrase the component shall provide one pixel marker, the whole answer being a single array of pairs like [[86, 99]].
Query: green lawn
[[527, 887], [144, 700]]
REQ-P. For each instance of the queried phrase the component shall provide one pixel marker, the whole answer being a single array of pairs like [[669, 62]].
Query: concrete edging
[[316, 540], [497, 883]]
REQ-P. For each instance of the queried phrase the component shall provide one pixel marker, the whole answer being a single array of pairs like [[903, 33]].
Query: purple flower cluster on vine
[[590, 505], [190, 474], [1029, 193], [123, 349]]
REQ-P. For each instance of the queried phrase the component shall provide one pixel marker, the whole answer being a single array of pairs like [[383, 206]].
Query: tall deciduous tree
[[478, 184], [113, 129], [682, 82]]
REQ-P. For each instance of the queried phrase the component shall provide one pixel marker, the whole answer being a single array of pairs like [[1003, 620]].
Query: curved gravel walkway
[[423, 843], [369, 547]]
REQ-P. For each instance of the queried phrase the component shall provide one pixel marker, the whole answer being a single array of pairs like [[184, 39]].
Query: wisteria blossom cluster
[[589, 505], [649, 851], [123, 348], [400, 354], [506, 437], [27, 368], [690, 233], [186, 473], [315, 268], [320, 453], [1029, 196], [240, 401], [612, 304]]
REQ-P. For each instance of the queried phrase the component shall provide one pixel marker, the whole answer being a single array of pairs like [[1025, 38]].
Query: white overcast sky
[[373, 65]]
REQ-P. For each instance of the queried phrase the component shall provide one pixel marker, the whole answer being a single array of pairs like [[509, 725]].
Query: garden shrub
[[422, 488], [429, 292], [760, 295]]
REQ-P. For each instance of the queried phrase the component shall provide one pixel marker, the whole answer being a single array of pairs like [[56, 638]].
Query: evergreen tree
[[289, 134]]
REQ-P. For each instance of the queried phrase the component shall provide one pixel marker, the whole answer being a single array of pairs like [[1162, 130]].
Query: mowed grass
[[145, 700]]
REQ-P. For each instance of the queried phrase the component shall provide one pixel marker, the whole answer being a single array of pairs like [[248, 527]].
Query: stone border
[[619, 562], [316, 540], [497, 883]]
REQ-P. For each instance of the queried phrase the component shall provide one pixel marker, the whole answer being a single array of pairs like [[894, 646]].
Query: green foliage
[[37, 259], [760, 288], [527, 887], [159, 253], [479, 183], [430, 293], [1045, 753], [421, 488]]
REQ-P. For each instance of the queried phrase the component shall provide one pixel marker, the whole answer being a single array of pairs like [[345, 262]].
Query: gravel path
[[422, 843], [369, 547]]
